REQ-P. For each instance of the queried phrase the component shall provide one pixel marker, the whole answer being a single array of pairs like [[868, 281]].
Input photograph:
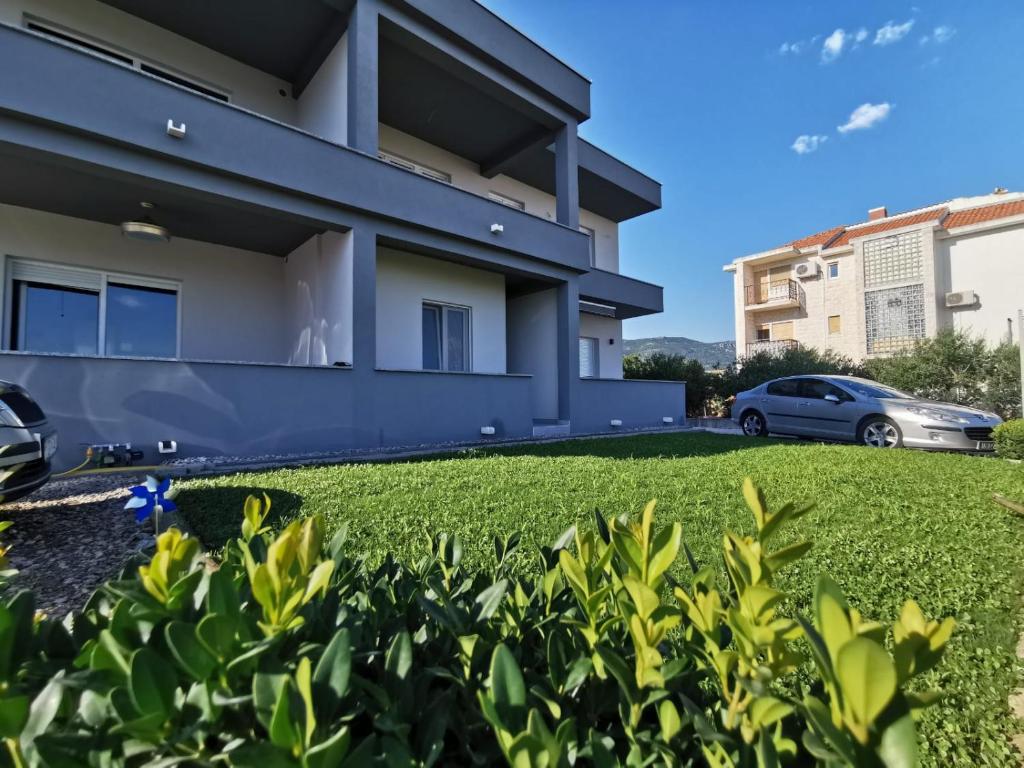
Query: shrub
[[1009, 439], [287, 652], [760, 367], [1002, 383], [661, 366]]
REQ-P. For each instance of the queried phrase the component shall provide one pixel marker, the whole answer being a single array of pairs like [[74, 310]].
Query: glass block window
[[894, 318], [893, 259]]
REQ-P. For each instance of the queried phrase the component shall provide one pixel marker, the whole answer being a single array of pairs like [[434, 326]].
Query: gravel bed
[[70, 536]]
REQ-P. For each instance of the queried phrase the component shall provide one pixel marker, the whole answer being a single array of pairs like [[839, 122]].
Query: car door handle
[[803, 405]]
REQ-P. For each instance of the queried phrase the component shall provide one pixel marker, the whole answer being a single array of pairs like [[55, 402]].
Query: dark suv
[[27, 443]]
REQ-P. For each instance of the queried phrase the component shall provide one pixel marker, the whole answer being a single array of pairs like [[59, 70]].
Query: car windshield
[[873, 389]]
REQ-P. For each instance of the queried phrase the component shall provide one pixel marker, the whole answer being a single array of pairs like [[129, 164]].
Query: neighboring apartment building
[[876, 287], [309, 225]]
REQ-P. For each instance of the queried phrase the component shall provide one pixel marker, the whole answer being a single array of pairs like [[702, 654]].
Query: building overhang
[[627, 296]]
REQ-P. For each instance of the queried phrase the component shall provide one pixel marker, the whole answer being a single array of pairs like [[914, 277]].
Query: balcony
[[776, 347], [774, 294], [628, 296], [64, 105]]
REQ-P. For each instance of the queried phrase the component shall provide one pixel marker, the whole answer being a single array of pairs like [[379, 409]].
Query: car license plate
[[986, 445]]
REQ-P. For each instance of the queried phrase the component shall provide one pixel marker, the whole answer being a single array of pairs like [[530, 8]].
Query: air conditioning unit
[[961, 299], [806, 269]]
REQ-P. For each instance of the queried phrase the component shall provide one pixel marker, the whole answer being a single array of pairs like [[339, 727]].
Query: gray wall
[[238, 409], [533, 347], [636, 403]]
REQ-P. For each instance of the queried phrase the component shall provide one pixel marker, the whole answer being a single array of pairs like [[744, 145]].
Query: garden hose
[[88, 458], [103, 470]]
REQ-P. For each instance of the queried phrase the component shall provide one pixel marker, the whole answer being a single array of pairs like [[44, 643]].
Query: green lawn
[[889, 525]]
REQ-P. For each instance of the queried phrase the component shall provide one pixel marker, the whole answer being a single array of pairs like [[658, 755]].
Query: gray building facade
[[370, 223]]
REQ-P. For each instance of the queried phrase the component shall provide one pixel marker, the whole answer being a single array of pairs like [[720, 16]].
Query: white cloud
[[808, 143], [833, 46], [893, 32], [941, 34], [861, 36], [865, 116]]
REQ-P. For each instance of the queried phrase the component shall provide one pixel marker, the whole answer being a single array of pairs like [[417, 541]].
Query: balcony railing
[[784, 292], [776, 347]]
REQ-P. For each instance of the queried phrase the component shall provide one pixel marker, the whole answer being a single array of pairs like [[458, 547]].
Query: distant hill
[[713, 354]]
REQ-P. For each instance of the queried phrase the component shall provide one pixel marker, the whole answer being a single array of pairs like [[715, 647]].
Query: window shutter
[[53, 274]]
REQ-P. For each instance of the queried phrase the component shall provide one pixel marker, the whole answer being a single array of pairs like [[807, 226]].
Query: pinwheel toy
[[151, 499]]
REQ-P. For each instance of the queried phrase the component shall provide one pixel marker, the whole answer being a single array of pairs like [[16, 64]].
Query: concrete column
[[567, 181], [364, 300], [362, 77], [568, 347]]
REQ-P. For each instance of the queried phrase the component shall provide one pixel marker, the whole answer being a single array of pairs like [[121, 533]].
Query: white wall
[[405, 281], [533, 347], [318, 303], [231, 302], [991, 264], [609, 356], [248, 86], [323, 106], [466, 175]]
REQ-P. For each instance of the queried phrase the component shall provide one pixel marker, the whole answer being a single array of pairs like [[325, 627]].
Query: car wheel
[[880, 432], [753, 424]]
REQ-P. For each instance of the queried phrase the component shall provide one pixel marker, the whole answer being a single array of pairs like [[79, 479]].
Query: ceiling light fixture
[[145, 228]]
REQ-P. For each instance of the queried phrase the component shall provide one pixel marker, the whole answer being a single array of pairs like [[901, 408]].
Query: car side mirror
[[833, 398]]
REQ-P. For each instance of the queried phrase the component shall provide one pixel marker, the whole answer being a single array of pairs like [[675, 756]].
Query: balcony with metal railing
[[773, 294]]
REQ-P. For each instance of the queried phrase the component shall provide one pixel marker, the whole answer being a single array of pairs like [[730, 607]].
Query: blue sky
[[703, 97]]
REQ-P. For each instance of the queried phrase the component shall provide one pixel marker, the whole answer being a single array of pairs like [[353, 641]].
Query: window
[[833, 270], [409, 165], [816, 389], [511, 202], [782, 331], [593, 248], [785, 388], [446, 338], [764, 333], [66, 310], [123, 57], [834, 324], [588, 357], [894, 318]]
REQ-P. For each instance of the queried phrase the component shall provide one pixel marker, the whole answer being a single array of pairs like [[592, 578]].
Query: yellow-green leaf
[[867, 679]]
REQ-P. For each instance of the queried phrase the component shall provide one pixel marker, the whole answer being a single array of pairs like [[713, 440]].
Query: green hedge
[[289, 651], [1009, 437]]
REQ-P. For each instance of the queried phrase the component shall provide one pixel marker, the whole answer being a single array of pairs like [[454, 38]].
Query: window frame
[[115, 53], [443, 307], [87, 281], [806, 392], [797, 385], [509, 202], [828, 270], [597, 357], [407, 164], [591, 234]]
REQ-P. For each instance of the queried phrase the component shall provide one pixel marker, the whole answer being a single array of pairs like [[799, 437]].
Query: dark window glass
[[177, 80], [457, 330], [785, 388], [50, 318], [816, 389], [431, 338], [141, 322]]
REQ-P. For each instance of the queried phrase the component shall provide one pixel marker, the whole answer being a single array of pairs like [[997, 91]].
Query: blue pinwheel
[[151, 498]]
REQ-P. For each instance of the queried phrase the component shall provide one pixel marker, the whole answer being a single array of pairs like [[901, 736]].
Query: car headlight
[[8, 418], [934, 413]]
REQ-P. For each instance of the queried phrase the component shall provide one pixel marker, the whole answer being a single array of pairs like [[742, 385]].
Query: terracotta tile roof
[[934, 214], [820, 238], [985, 213]]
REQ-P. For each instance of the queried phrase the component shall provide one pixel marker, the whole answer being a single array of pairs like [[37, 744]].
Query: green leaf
[[44, 708], [779, 559], [13, 715], [335, 666], [490, 599], [669, 720], [398, 659], [217, 633], [330, 753], [152, 684], [665, 550], [898, 748], [755, 501], [508, 689], [188, 651], [304, 683], [259, 754], [867, 678], [282, 728], [831, 613], [221, 596], [765, 711]]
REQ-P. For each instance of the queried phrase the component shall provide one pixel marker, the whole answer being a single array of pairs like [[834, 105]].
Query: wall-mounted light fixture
[[144, 228], [497, 229]]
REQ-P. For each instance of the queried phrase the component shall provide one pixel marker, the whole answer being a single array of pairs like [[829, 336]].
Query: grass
[[889, 525]]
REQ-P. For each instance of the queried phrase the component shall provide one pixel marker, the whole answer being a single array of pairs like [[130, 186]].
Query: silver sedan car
[[858, 410]]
